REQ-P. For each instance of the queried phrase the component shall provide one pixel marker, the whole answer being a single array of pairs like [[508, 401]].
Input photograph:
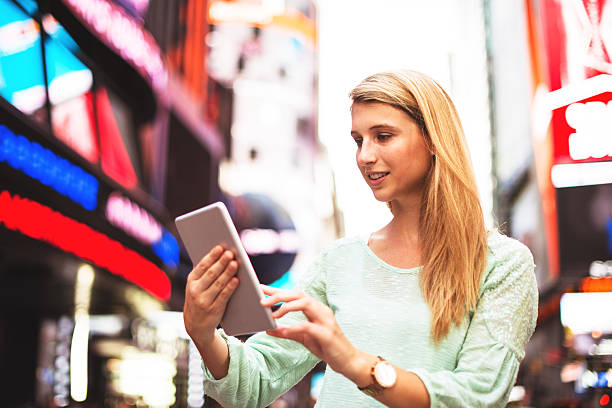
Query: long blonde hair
[[451, 225]]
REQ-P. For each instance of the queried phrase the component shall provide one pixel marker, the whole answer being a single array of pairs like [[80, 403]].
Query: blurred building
[[263, 90], [263, 62], [551, 91]]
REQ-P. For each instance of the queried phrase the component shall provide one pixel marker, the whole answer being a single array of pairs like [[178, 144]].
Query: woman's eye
[[358, 141], [383, 136]]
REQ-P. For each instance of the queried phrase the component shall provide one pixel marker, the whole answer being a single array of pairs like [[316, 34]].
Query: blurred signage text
[[125, 36], [48, 168]]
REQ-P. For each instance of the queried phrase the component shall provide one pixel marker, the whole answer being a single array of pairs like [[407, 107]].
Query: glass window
[[20, 46], [119, 154]]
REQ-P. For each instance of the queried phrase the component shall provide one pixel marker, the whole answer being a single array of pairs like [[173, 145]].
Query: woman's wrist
[[358, 368], [215, 354], [206, 339]]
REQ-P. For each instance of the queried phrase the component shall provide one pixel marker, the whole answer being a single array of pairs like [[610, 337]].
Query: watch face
[[385, 374]]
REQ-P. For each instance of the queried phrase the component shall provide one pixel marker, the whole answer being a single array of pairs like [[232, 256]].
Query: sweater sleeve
[[264, 367], [501, 325]]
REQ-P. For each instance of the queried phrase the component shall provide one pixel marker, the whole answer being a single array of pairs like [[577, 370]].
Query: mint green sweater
[[381, 310]]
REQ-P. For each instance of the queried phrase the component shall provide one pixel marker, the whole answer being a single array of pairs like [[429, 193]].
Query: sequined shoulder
[[509, 294]]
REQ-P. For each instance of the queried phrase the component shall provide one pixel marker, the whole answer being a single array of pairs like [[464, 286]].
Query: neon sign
[[137, 222], [48, 168], [167, 249], [40, 222], [125, 36]]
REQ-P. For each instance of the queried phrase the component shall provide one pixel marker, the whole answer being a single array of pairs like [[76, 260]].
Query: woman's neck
[[405, 223], [402, 232], [398, 242]]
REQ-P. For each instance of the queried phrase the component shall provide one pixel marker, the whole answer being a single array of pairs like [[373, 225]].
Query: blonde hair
[[451, 225]]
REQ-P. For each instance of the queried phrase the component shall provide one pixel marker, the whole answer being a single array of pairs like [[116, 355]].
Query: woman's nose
[[366, 153]]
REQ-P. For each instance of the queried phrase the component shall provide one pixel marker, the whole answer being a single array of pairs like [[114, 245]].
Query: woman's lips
[[375, 179]]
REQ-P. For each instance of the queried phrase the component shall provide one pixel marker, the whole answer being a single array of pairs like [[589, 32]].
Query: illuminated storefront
[[88, 255], [571, 110], [109, 128]]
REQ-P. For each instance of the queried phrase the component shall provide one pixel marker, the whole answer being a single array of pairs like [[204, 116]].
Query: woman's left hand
[[320, 334]]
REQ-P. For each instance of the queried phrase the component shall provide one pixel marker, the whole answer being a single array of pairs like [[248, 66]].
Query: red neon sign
[[578, 47], [42, 223]]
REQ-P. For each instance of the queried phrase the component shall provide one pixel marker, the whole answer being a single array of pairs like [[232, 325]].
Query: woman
[[447, 305]]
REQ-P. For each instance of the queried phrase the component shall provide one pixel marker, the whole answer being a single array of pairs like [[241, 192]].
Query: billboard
[[572, 112]]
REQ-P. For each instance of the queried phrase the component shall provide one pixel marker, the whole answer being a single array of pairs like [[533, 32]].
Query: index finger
[[279, 295], [207, 261], [269, 290]]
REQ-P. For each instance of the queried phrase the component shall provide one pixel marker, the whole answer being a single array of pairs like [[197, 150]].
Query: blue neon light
[[602, 379], [48, 168], [167, 249]]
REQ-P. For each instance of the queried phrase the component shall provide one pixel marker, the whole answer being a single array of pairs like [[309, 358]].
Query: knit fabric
[[381, 310]]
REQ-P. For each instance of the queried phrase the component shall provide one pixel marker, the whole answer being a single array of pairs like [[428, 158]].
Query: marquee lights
[[50, 169], [125, 36], [40, 222]]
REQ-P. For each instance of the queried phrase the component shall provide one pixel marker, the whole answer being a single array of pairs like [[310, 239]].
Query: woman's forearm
[[215, 355]]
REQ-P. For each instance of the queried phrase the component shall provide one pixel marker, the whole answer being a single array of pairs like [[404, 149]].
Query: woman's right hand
[[209, 286]]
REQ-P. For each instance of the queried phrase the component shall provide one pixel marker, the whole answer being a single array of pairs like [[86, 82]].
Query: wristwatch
[[384, 376]]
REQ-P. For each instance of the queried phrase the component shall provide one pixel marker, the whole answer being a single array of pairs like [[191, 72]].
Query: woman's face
[[391, 151]]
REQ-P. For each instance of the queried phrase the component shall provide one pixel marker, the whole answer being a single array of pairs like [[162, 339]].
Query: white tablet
[[212, 225]]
